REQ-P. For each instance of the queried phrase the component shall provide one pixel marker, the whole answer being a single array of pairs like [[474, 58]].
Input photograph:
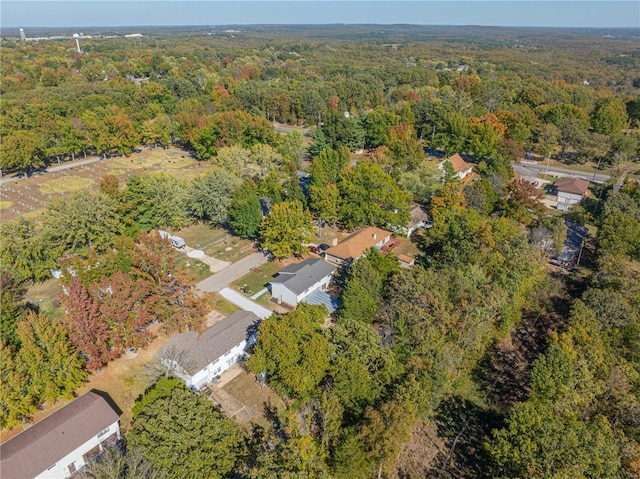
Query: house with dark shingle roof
[[570, 191], [63, 442], [199, 358], [354, 246], [298, 281]]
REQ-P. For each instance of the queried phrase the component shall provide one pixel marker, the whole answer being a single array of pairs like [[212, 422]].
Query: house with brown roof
[[419, 218], [352, 247], [570, 191], [461, 167], [63, 442], [198, 358]]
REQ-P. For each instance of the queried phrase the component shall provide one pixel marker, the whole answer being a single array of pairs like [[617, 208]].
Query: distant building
[[461, 167], [297, 281], [198, 358], [354, 246], [64, 442], [419, 219], [570, 191], [23, 36]]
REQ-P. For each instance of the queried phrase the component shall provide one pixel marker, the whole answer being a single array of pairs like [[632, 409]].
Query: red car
[[314, 249]]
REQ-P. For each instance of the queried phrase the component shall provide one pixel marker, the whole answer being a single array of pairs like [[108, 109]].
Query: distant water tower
[[76, 36], [23, 37]]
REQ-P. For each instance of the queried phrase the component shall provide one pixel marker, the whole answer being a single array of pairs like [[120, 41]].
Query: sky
[[113, 13]]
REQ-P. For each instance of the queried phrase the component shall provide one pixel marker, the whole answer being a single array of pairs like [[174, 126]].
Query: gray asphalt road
[[231, 273], [534, 168], [287, 129]]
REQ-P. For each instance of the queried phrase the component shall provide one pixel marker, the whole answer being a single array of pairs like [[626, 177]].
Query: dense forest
[[481, 360]]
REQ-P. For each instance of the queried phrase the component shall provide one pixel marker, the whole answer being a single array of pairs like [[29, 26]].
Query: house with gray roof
[[298, 281], [199, 358], [63, 442]]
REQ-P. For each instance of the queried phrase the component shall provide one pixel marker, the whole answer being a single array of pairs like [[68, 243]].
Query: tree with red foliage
[[87, 330], [523, 200], [125, 306]]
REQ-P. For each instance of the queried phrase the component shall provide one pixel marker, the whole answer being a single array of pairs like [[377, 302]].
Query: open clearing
[[29, 196]]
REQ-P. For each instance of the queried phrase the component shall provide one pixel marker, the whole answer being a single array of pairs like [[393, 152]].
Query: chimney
[[334, 241], [375, 235]]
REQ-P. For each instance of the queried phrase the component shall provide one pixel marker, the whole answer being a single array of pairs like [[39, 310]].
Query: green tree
[[83, 220], [610, 116], [537, 443], [360, 367], [48, 359], [184, 435], [292, 351], [23, 250], [245, 211], [11, 296], [16, 403], [157, 131], [371, 197], [23, 150], [287, 229], [291, 147], [210, 195], [157, 200]]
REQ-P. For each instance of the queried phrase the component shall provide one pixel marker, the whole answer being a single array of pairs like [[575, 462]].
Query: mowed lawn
[[217, 242], [245, 389], [257, 279]]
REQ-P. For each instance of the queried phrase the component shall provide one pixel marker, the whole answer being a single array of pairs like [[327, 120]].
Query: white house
[[297, 281], [62, 443], [199, 357], [419, 219], [570, 191], [461, 167]]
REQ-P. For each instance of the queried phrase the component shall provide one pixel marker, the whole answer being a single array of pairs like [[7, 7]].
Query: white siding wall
[[60, 470], [281, 293], [217, 367], [568, 198]]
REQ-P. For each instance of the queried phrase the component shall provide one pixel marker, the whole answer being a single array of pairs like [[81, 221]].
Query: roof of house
[[320, 297], [577, 186], [458, 163], [353, 246], [418, 215], [406, 259], [299, 276], [576, 235], [201, 349], [38, 448]]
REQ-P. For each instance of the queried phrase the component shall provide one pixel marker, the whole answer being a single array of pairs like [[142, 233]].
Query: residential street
[[231, 273], [533, 168]]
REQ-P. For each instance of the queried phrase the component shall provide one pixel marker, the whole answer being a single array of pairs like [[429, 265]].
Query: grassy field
[[45, 296], [65, 184], [230, 248], [201, 234], [255, 281], [220, 304], [194, 266], [245, 389]]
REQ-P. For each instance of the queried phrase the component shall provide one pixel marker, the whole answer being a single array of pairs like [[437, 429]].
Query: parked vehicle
[[175, 241]]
